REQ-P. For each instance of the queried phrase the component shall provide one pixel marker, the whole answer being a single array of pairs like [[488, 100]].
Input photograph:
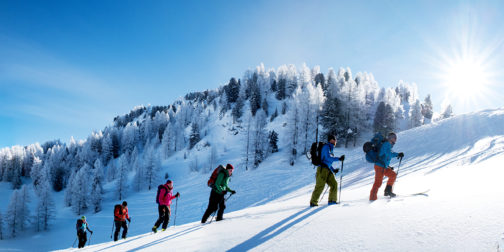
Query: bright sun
[[465, 77]]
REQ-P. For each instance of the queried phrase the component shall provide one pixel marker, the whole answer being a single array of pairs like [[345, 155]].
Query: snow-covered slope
[[458, 160]]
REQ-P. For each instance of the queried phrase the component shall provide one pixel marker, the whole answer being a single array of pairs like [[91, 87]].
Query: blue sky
[[69, 67]]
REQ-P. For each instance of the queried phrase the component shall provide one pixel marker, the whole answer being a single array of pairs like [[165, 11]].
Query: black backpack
[[315, 153], [79, 224], [159, 190]]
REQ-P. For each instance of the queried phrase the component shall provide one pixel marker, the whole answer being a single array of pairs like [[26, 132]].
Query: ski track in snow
[[458, 160]]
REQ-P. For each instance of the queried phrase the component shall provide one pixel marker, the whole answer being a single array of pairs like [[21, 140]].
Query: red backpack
[[118, 211], [213, 177]]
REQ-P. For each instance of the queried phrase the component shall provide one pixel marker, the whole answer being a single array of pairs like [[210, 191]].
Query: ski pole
[[176, 205], [111, 232], [340, 181], [399, 166], [73, 244], [89, 242], [323, 194], [213, 215]]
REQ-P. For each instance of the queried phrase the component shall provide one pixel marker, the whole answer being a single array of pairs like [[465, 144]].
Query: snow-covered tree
[[80, 190], [122, 177], [167, 140], [265, 106], [294, 120], [151, 164], [416, 116], [427, 109], [18, 213], [24, 196], [259, 138], [255, 96], [447, 112], [384, 119], [107, 149], [248, 139], [14, 217], [129, 137], [195, 137], [232, 90], [237, 111], [95, 196], [36, 172], [111, 170], [273, 141], [45, 207]]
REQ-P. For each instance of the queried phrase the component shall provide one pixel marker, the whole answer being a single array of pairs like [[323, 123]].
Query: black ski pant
[[118, 225], [164, 216], [82, 238], [215, 202]]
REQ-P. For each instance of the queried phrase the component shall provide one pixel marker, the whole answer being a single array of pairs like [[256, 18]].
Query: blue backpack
[[372, 148]]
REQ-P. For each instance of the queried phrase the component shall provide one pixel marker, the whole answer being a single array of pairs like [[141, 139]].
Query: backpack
[[78, 226], [315, 153], [213, 177], [118, 211], [372, 148], [159, 190]]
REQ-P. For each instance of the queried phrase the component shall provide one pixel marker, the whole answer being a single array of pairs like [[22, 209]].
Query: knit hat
[[229, 167], [83, 217], [125, 203], [169, 183], [330, 137], [392, 135]]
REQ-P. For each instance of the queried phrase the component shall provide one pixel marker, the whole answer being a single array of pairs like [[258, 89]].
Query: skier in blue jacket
[[325, 173], [382, 167]]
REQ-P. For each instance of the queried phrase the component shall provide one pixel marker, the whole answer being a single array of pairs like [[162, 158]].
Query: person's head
[[392, 138], [169, 184], [124, 203], [230, 169], [83, 218], [332, 139]]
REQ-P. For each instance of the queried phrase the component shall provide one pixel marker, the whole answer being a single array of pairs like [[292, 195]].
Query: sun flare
[[465, 77]]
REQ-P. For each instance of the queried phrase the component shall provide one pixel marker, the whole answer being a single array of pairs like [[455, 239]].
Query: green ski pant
[[324, 176]]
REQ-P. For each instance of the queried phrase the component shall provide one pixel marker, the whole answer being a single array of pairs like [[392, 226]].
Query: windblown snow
[[457, 162]]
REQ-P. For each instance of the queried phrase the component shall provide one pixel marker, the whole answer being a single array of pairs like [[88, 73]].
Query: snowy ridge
[[459, 160]]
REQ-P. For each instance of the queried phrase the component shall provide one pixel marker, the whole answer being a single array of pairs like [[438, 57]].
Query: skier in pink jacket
[[164, 198]]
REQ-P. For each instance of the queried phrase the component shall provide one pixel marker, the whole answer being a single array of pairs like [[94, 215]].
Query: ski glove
[[391, 168], [400, 155], [233, 192], [342, 158], [177, 195], [336, 170], [91, 232], [129, 220]]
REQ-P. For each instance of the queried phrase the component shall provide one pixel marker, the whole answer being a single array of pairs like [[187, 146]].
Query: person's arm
[[218, 183], [326, 155], [172, 196], [227, 185]]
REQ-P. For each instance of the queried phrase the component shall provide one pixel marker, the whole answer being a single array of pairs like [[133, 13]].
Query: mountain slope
[[458, 160]]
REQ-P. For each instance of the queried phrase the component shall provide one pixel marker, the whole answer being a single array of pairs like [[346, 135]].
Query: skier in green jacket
[[219, 189]]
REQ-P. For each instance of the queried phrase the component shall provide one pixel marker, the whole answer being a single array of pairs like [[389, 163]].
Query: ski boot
[[154, 229], [388, 191]]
